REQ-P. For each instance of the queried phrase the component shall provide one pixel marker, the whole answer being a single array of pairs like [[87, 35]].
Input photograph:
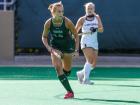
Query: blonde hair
[[89, 3], [53, 7]]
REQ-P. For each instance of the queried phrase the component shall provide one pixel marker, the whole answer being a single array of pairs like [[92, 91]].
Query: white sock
[[87, 69]]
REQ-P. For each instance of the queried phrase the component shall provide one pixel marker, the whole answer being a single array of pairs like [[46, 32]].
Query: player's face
[[90, 9], [59, 12]]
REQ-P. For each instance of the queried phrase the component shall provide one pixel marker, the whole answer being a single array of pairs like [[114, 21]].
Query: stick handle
[[86, 33]]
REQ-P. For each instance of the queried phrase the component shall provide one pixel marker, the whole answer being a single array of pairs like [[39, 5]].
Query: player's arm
[[45, 35], [100, 25], [71, 27], [79, 24]]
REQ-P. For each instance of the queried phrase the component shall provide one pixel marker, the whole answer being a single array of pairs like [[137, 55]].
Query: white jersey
[[90, 39]]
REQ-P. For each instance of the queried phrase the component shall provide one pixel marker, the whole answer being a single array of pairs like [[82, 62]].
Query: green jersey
[[61, 38]]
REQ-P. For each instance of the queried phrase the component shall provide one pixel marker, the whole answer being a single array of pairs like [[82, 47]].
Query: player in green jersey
[[64, 42]]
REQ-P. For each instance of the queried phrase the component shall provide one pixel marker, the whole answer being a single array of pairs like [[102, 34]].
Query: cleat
[[69, 95], [80, 77]]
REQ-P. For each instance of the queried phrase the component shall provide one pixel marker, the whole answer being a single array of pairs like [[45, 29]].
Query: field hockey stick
[[86, 33]]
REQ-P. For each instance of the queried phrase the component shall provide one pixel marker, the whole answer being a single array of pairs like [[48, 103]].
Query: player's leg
[[88, 53], [80, 76], [83, 75], [95, 56], [91, 57], [80, 73], [67, 62], [62, 77], [57, 64]]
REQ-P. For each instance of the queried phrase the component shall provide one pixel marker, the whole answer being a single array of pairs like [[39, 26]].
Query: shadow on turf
[[105, 100], [102, 100], [120, 85]]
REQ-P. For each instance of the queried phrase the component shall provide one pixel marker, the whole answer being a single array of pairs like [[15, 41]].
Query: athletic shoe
[[87, 82], [80, 76], [69, 95]]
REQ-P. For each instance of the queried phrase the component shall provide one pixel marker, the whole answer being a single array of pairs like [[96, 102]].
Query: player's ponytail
[[53, 7], [50, 7]]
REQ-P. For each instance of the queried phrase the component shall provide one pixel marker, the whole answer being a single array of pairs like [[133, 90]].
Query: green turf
[[44, 73], [39, 86]]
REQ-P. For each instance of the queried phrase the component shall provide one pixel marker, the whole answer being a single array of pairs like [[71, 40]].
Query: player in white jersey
[[90, 24]]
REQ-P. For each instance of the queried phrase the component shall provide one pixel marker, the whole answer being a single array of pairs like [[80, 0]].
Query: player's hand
[[96, 15], [75, 54], [57, 53], [49, 49]]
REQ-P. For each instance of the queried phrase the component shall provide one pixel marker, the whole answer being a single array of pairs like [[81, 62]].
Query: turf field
[[39, 86]]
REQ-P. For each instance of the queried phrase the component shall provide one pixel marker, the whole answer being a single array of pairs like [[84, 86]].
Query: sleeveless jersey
[[90, 38], [61, 38]]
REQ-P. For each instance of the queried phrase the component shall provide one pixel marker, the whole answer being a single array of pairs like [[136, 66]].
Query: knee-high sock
[[86, 70], [63, 79]]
